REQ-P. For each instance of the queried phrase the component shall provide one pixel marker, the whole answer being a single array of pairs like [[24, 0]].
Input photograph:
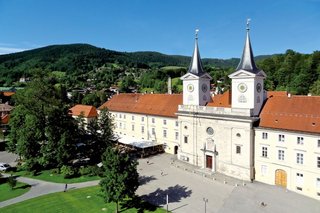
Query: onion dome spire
[[247, 61], [196, 64]]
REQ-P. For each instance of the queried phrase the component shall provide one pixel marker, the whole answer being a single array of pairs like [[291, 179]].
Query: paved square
[[187, 190]]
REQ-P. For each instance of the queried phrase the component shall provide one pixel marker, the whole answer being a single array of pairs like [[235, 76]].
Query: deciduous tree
[[121, 176]]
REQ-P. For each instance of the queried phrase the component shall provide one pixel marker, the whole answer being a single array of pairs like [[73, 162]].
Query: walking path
[[39, 187]]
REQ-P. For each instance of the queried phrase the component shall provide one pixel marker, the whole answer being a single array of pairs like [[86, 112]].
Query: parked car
[[4, 167]]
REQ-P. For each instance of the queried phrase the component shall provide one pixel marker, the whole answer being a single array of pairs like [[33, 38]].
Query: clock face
[[190, 87], [242, 87], [258, 87], [204, 88]]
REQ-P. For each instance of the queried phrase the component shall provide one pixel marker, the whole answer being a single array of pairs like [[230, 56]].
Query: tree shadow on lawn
[[158, 198], [146, 179], [23, 187]]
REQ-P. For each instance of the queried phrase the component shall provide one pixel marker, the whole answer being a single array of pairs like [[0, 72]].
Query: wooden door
[[209, 161], [281, 178]]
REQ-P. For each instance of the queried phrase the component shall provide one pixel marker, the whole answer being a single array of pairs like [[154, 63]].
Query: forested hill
[[75, 64], [160, 60], [74, 57], [67, 58]]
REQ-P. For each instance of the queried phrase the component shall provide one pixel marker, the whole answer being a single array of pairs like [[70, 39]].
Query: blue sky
[[166, 26]]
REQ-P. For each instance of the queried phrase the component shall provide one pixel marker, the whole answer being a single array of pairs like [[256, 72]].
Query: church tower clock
[[196, 82], [248, 81]]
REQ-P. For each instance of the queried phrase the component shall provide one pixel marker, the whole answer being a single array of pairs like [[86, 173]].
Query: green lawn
[[79, 200], [47, 175], [6, 193]]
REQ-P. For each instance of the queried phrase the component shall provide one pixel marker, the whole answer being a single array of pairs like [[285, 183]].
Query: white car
[[4, 166]]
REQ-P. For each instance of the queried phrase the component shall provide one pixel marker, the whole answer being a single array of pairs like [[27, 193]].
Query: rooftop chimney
[[169, 86]]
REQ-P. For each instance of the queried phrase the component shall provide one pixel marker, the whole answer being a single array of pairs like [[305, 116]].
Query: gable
[[206, 76], [242, 74], [189, 76]]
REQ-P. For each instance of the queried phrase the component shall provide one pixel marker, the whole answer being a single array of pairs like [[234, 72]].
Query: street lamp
[[205, 200]]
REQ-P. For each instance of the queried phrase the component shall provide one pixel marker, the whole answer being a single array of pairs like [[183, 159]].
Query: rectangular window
[[238, 149], [142, 129], [299, 158], [299, 179], [264, 135], [281, 138], [318, 162], [164, 122], [153, 132], [120, 116], [318, 183], [319, 143], [264, 170], [300, 140], [280, 154], [132, 127], [142, 119], [132, 117], [153, 120], [164, 133], [264, 151], [124, 116], [177, 124], [185, 139], [177, 136]]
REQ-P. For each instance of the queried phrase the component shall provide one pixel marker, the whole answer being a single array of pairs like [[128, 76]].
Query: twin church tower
[[247, 81]]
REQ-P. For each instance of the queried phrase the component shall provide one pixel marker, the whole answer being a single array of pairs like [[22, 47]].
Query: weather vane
[[248, 23], [197, 31]]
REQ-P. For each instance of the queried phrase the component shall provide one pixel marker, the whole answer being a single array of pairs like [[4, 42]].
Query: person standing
[[65, 187]]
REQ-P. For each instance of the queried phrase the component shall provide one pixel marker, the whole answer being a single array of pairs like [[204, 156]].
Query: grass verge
[[80, 200], [6, 193], [47, 175]]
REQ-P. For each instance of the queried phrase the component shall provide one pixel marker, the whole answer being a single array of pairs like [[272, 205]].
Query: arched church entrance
[[281, 178]]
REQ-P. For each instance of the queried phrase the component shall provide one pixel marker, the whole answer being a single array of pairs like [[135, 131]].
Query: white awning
[[136, 142]]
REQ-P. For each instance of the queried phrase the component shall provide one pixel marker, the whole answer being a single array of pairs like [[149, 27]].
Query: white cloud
[[7, 50]]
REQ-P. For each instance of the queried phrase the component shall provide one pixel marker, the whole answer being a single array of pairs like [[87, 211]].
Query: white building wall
[[228, 134], [266, 166], [123, 127]]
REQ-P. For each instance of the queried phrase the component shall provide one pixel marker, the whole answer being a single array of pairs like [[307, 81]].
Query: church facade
[[238, 133]]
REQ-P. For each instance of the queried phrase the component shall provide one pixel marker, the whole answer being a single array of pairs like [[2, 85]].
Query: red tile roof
[[221, 100], [5, 119], [151, 104], [276, 93], [297, 113], [86, 110], [8, 93]]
